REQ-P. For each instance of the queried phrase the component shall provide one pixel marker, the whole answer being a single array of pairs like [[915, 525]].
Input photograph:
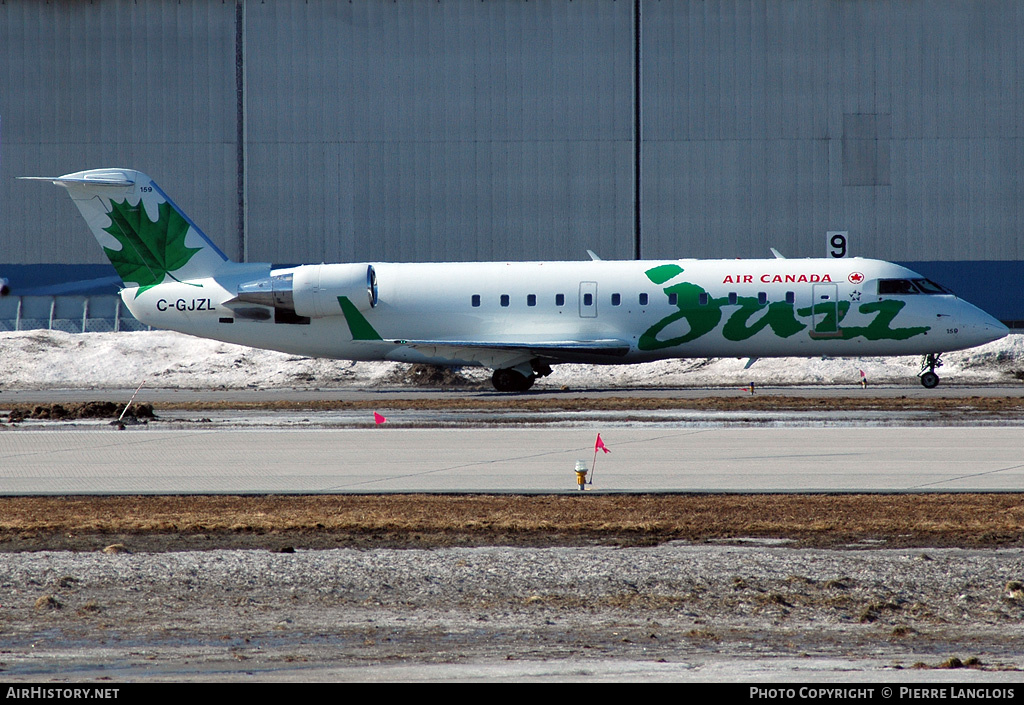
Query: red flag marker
[[598, 445], [378, 419]]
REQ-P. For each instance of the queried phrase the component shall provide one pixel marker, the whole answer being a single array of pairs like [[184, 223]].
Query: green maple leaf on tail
[[149, 250]]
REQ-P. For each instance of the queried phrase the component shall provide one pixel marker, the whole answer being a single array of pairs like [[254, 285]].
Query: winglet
[[593, 256], [778, 255]]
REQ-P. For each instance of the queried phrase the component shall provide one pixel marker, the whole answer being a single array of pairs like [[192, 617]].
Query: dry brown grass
[[161, 523]]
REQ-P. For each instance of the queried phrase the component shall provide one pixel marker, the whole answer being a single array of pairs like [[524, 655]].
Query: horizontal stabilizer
[[102, 178]]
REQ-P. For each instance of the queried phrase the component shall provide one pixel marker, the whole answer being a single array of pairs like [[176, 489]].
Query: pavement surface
[[653, 457]]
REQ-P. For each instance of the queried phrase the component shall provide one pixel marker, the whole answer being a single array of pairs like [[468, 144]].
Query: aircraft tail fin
[[145, 235]]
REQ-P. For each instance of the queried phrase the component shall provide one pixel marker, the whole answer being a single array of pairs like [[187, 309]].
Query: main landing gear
[[518, 379], [929, 363], [509, 380]]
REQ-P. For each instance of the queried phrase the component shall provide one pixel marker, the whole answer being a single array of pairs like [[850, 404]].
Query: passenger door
[[588, 299], [825, 311]]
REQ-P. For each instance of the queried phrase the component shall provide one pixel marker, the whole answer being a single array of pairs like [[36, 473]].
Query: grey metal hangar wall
[[771, 123], [526, 129]]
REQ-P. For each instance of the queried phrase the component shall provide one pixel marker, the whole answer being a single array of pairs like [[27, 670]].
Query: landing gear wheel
[[511, 381], [929, 363]]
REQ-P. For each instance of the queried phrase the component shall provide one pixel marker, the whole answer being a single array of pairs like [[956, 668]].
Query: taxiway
[[649, 458]]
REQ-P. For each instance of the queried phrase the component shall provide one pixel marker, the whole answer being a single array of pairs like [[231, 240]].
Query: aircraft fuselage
[[518, 318], [658, 309]]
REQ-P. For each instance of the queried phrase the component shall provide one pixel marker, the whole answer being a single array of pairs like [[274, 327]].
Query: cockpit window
[[895, 286], [910, 286], [927, 286]]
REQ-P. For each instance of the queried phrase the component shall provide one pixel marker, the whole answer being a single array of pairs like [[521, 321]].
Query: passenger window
[[616, 299], [643, 299], [702, 299], [672, 298], [504, 299], [790, 297], [732, 297], [588, 299], [531, 299], [559, 299], [476, 300], [762, 298]]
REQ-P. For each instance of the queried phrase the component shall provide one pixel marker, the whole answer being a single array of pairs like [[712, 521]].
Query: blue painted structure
[[59, 279], [995, 286]]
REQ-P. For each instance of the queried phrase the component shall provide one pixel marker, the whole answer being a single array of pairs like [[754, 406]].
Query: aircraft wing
[[560, 350]]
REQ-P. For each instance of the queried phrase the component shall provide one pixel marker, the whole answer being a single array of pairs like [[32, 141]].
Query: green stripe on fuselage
[[357, 323], [783, 319]]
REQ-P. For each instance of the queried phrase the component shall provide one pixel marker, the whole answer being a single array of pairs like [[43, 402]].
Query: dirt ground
[[978, 406], [996, 406]]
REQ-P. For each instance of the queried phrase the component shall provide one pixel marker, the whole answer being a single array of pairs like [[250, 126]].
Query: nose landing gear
[[929, 363]]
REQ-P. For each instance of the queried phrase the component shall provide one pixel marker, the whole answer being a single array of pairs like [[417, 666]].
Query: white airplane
[[517, 318]]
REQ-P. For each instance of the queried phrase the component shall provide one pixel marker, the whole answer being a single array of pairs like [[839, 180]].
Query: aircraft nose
[[986, 328], [995, 330]]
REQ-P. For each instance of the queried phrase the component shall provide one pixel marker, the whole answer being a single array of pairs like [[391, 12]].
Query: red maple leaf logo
[[856, 277]]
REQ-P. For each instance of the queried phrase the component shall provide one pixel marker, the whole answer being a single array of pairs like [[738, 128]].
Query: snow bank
[[41, 359]]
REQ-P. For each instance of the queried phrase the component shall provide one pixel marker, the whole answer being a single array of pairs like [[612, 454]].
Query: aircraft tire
[[930, 380], [511, 381]]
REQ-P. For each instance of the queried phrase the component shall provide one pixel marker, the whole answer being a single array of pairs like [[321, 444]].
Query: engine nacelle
[[309, 291], [316, 288]]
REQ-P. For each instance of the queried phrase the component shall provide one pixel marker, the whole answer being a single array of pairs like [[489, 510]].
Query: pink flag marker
[[378, 419], [599, 445]]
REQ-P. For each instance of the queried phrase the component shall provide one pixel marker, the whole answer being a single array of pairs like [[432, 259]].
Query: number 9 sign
[[837, 244]]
